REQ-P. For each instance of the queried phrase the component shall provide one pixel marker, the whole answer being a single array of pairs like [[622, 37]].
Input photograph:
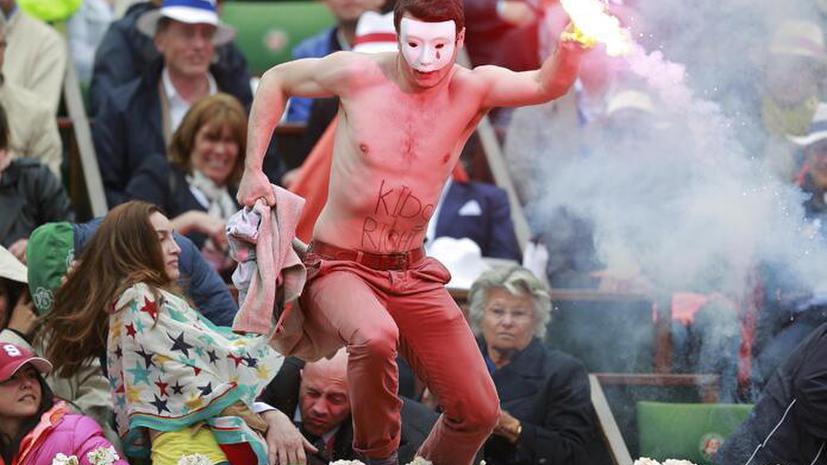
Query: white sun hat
[[462, 257], [818, 128], [190, 12]]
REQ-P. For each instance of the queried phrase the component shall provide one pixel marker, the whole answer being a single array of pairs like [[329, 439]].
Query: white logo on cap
[[12, 350], [43, 298]]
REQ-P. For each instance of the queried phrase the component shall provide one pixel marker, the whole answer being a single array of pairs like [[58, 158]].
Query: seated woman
[[30, 195], [196, 186], [546, 411], [180, 385], [35, 427]]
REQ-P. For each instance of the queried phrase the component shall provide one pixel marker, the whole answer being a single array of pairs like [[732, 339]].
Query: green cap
[[49, 253]]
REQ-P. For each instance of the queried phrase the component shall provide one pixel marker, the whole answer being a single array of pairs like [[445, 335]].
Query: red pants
[[375, 312]]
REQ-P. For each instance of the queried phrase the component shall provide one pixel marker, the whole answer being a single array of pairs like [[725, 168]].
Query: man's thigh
[[435, 337], [340, 306]]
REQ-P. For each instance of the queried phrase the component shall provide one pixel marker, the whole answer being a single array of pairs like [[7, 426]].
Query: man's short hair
[[432, 11]]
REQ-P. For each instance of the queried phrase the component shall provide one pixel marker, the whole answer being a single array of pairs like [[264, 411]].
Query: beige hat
[[630, 100], [799, 38], [11, 268], [817, 131]]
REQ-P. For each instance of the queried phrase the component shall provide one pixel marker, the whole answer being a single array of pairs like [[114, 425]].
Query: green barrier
[[266, 32], [691, 432]]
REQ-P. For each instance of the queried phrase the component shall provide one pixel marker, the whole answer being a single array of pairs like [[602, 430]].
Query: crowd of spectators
[[170, 91]]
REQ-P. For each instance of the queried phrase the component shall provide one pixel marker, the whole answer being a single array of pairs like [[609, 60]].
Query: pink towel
[[270, 275]]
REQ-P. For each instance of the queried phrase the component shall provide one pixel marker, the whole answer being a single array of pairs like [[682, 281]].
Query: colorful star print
[[150, 308], [205, 389], [140, 374], [147, 356], [162, 387], [161, 405], [179, 344]]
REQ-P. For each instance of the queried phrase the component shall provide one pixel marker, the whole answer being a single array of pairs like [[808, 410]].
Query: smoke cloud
[[686, 198]]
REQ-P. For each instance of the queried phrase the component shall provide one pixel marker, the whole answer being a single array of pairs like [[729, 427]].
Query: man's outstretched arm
[[311, 77], [506, 88]]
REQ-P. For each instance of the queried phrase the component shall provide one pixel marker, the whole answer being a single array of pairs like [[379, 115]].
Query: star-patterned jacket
[[169, 367]]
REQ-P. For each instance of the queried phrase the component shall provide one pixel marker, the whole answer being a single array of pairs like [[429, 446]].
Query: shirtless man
[[403, 120]]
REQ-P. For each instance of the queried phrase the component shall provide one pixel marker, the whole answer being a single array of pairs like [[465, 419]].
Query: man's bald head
[[323, 396]]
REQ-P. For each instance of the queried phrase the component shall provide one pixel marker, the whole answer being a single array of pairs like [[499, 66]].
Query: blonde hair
[[517, 281]]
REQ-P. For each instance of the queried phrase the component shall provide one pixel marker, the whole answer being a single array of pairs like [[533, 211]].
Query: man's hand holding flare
[[576, 35]]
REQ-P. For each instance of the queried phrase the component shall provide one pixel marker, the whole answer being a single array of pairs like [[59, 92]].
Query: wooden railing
[[84, 174]]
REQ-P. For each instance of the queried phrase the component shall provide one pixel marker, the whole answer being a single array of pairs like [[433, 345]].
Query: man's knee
[[377, 341], [485, 410], [477, 410]]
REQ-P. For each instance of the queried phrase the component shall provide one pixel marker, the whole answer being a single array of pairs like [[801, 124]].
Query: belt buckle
[[402, 261]]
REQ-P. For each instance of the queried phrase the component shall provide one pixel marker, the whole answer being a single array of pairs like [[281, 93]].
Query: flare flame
[[592, 19]]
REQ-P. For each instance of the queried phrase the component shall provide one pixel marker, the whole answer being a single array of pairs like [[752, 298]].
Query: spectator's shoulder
[[314, 46], [124, 96], [487, 189], [23, 103], [37, 30], [564, 363]]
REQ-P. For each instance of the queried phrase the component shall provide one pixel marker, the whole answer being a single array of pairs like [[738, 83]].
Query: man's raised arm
[[311, 77], [506, 88]]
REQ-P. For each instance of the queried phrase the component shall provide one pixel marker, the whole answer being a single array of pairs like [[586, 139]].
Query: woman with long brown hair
[[180, 384]]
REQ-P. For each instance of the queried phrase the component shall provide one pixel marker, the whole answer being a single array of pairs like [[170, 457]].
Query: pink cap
[[13, 357]]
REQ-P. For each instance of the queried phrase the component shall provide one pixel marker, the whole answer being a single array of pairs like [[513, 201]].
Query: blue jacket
[[198, 279], [490, 225], [317, 46], [129, 128], [125, 53]]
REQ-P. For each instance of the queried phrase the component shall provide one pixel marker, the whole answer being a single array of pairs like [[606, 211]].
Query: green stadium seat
[[266, 32], [691, 432]]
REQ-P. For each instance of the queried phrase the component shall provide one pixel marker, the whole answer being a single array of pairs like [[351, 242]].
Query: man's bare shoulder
[[468, 80], [359, 68]]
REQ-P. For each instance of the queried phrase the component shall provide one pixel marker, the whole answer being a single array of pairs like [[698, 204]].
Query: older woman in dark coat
[[547, 415]]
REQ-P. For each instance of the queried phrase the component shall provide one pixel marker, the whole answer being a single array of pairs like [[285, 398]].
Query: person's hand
[[290, 177], [255, 185], [23, 316], [18, 249], [196, 220], [574, 34], [516, 12], [285, 444], [508, 427]]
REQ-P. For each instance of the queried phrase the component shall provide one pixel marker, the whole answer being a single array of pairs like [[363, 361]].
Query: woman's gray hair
[[517, 281]]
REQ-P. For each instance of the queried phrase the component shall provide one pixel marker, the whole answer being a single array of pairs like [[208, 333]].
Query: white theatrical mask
[[427, 46]]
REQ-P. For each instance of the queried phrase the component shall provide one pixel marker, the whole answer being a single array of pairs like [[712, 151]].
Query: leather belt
[[376, 261]]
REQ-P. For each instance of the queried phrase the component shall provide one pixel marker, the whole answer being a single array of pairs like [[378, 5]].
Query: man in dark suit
[[316, 396], [480, 212]]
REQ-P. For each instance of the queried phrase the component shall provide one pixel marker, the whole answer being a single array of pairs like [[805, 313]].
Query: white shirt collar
[[177, 105]]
